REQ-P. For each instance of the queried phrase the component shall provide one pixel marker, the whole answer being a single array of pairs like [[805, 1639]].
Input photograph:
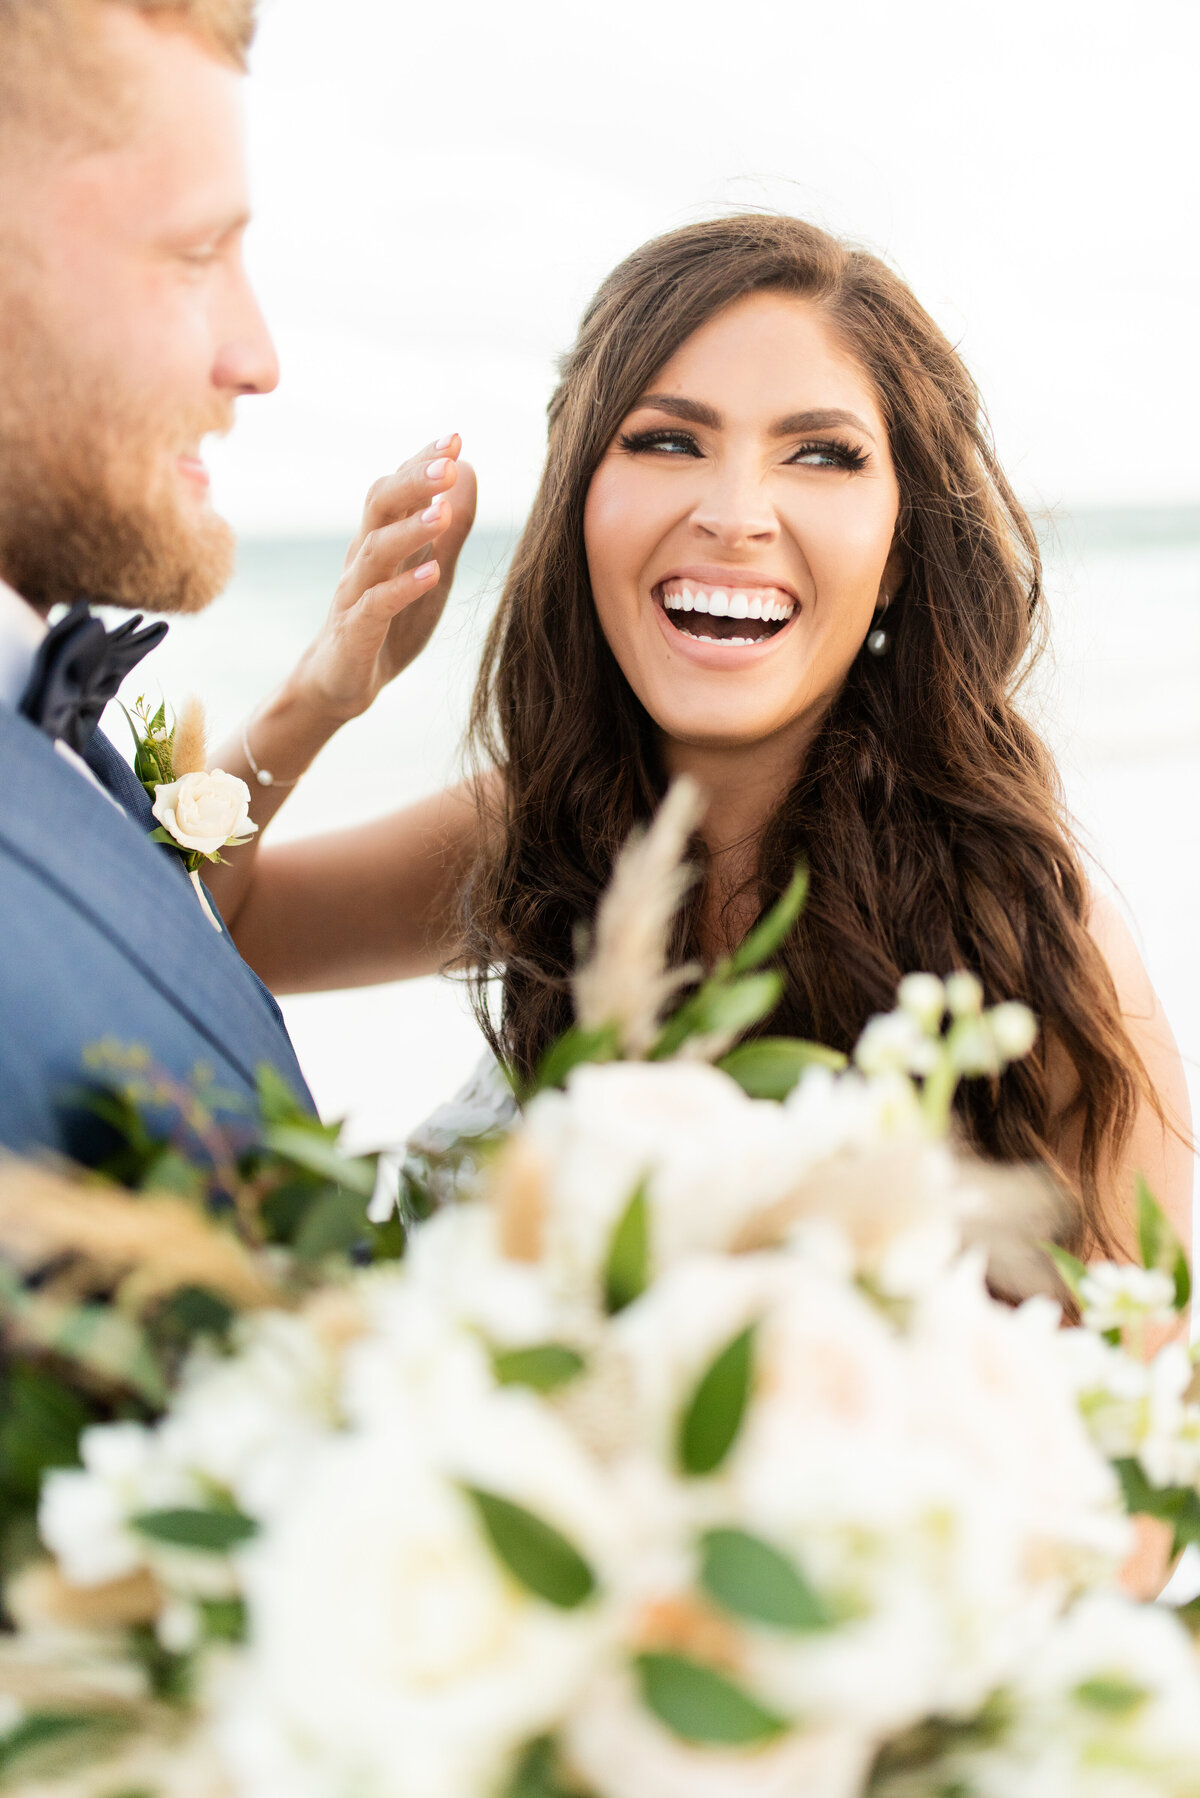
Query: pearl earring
[[879, 641]]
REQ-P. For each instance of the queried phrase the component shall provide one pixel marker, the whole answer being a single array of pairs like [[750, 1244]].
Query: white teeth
[[718, 602]]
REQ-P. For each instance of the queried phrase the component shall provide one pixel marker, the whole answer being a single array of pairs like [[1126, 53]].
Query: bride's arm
[[359, 906], [397, 577], [1160, 1150]]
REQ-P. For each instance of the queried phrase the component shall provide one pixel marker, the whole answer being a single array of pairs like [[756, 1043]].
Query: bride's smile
[[740, 528]]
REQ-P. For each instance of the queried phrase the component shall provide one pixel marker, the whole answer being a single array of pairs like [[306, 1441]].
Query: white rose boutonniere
[[200, 811], [205, 812]]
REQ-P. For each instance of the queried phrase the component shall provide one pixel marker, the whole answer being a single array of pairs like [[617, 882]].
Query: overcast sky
[[438, 190]]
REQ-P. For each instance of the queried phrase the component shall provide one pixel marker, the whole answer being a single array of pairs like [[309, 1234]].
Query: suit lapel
[[113, 772], [136, 893]]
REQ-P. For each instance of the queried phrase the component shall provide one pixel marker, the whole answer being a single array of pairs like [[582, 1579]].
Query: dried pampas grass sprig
[[625, 981], [189, 748], [152, 1244]]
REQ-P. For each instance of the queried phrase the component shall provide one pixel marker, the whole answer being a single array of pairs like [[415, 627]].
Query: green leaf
[[571, 1051], [721, 1007], [699, 1705], [714, 1414], [332, 1224], [1071, 1269], [543, 1367], [1159, 1245], [311, 1149], [277, 1102], [160, 835], [49, 1743], [1177, 1505], [40, 1425], [213, 1532], [224, 1619], [769, 1066], [1189, 1615], [769, 932], [193, 1311], [627, 1270], [745, 1575], [534, 1552], [1112, 1696], [538, 1775], [388, 1240]]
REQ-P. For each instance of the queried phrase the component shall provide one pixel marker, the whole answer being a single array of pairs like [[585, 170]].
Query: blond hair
[[53, 75]]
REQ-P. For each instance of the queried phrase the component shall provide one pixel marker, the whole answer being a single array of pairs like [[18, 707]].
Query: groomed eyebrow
[[794, 425]]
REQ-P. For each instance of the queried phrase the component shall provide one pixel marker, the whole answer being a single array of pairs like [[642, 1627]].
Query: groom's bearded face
[[127, 331]]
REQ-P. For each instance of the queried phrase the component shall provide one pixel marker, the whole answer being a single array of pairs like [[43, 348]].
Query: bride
[[772, 547]]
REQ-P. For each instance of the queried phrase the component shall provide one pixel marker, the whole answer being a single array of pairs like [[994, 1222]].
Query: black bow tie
[[78, 669]]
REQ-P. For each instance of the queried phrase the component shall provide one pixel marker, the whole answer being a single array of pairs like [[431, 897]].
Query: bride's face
[[739, 529]]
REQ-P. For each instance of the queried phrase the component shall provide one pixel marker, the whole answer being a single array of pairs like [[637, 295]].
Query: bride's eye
[[829, 452], [671, 443]]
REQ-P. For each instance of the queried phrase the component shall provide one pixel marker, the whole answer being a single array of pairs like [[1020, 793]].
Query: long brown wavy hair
[[928, 811]]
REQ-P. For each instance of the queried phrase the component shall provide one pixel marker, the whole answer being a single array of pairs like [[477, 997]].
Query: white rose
[[390, 1649], [1057, 1743], [205, 811]]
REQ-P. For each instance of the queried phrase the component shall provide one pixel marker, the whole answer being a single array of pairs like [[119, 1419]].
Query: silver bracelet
[[263, 776]]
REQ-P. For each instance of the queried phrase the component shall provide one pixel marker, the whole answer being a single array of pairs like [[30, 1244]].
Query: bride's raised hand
[[397, 577]]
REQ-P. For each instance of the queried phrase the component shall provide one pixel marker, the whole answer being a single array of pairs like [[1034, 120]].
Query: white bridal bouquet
[[691, 1456]]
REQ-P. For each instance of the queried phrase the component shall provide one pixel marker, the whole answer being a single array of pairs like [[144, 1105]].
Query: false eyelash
[[645, 440], [845, 455]]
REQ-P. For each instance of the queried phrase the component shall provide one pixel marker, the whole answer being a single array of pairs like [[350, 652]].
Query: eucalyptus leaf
[[538, 1775], [41, 1420], [1177, 1505], [1112, 1697], [1189, 1615], [700, 1705], [714, 1413], [627, 1269], [768, 1067], [749, 1577], [311, 1149], [212, 1532], [332, 1224], [767, 935], [1071, 1269], [573, 1049], [543, 1367], [1159, 1245], [534, 1552], [276, 1100], [46, 1744], [723, 1006]]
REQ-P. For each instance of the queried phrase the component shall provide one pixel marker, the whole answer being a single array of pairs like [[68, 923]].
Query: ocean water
[[1119, 700]]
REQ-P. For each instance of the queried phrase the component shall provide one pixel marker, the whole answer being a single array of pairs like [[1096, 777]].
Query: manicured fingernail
[[445, 442], [432, 513], [425, 572], [436, 470]]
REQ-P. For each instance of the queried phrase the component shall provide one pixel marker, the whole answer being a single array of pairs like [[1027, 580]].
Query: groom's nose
[[246, 361]]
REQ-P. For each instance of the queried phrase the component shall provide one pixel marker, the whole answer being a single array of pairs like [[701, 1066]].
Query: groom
[[127, 331]]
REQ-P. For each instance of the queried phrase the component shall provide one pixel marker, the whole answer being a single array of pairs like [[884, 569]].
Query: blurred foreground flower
[[691, 1454]]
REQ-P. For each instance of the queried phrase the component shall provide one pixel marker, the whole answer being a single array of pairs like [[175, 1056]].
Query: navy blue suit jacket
[[102, 938]]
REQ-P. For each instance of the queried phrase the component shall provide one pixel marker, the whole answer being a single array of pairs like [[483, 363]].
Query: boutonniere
[[200, 811]]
